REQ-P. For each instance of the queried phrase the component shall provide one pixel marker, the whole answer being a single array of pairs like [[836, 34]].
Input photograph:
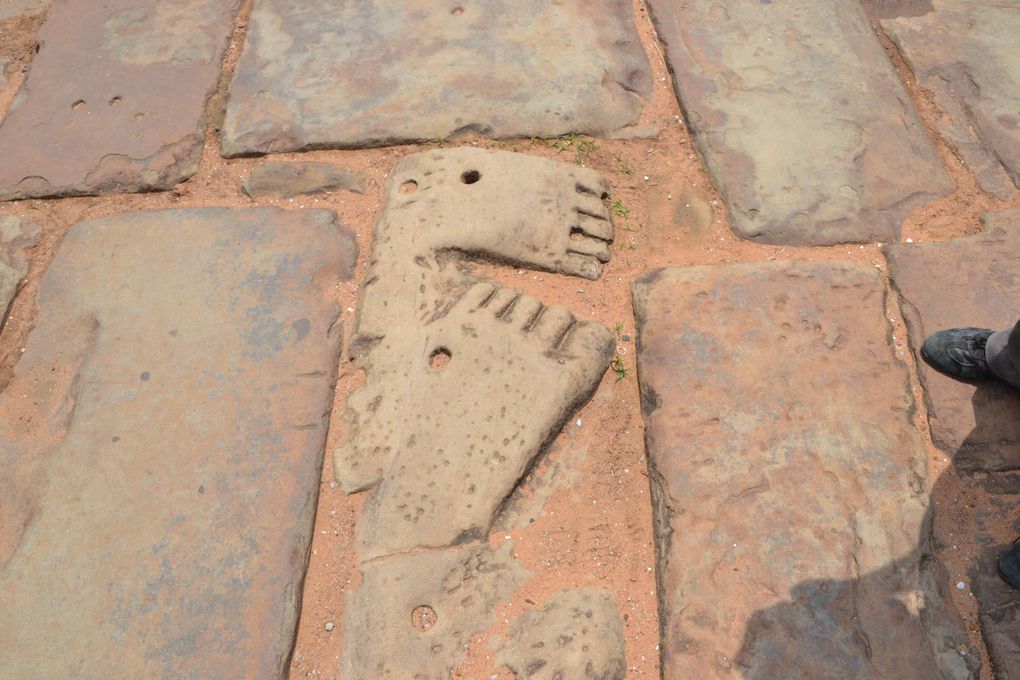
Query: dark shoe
[[1009, 565], [959, 353]]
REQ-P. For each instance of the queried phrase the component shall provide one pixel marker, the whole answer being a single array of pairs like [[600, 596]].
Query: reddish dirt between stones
[[583, 518]]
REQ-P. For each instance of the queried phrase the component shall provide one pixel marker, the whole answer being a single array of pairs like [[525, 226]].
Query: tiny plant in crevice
[[620, 210], [619, 368], [621, 167], [582, 146]]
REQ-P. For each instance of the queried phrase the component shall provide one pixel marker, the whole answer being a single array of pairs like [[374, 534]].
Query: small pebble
[[579, 422], [330, 626], [960, 585]]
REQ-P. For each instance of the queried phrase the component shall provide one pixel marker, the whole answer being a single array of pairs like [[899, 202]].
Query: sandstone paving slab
[[789, 484], [162, 441], [16, 235], [966, 53], [350, 74], [801, 120], [286, 180], [115, 99], [969, 281]]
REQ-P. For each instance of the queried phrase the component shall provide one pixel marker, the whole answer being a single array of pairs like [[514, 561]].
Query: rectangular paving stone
[[354, 74], [115, 99], [800, 118], [789, 484], [966, 53], [161, 444], [969, 281]]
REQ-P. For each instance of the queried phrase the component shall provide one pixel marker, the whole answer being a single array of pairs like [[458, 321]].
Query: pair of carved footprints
[[444, 443]]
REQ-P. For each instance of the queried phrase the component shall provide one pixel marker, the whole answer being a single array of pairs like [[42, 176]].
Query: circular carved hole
[[116, 100], [424, 617], [409, 187], [139, 116], [457, 11], [470, 177], [78, 103], [439, 359]]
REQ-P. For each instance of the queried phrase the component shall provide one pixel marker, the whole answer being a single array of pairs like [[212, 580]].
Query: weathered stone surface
[[511, 369], [16, 234], [115, 99], [342, 74], [998, 602], [284, 180], [517, 369], [162, 443], [414, 615], [788, 481], [800, 118], [970, 281], [577, 636], [966, 53]]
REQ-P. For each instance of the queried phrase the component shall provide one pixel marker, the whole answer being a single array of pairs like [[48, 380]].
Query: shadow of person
[[993, 520], [900, 621]]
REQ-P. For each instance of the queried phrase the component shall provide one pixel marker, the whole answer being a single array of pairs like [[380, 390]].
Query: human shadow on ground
[[900, 621]]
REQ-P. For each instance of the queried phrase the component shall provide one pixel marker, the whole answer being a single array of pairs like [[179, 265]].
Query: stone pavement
[[131, 118], [176, 390], [364, 74], [800, 118], [175, 318], [771, 392]]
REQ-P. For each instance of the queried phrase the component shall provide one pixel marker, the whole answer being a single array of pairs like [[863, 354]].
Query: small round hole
[[115, 101], [439, 359], [409, 187], [424, 617], [457, 11], [139, 116], [470, 177], [78, 103]]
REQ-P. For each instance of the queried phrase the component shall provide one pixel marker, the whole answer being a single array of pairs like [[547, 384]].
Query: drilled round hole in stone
[[78, 103], [409, 187], [116, 100], [470, 177], [424, 617], [457, 11], [439, 359]]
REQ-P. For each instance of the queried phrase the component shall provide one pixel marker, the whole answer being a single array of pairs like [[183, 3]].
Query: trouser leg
[[1003, 355]]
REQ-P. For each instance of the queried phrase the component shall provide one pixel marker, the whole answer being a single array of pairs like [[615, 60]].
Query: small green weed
[[619, 368], [621, 167]]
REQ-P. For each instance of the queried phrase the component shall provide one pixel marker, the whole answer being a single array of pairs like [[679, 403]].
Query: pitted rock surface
[[16, 235], [969, 281], [966, 53], [788, 481], [507, 369], [515, 372], [802, 122], [414, 615], [448, 204], [577, 636], [130, 118], [339, 74], [178, 381], [285, 180]]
